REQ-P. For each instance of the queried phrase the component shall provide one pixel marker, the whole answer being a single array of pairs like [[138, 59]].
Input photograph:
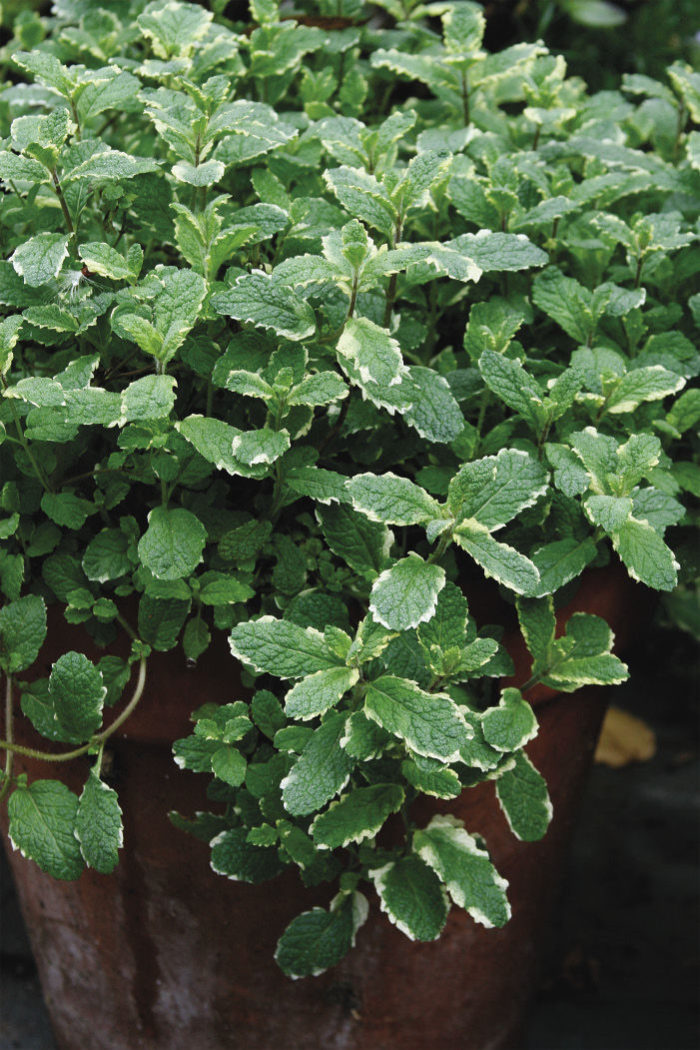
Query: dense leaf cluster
[[305, 328]]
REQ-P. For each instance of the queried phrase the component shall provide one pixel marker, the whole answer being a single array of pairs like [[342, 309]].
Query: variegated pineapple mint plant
[[302, 329]]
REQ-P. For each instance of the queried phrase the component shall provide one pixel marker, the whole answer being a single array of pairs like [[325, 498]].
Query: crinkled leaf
[[42, 827], [356, 816], [98, 825], [406, 594], [464, 867]]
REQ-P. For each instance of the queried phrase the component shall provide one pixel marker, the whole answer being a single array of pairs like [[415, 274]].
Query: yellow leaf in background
[[624, 739]]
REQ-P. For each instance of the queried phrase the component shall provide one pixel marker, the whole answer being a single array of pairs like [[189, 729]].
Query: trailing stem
[[9, 732], [98, 739]]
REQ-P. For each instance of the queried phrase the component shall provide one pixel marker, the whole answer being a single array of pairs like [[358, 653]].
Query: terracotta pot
[[166, 954]]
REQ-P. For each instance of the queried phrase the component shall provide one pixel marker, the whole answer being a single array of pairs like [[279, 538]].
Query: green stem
[[9, 730], [465, 100], [62, 201], [76, 118], [443, 546], [485, 401], [638, 271], [25, 444], [98, 738]]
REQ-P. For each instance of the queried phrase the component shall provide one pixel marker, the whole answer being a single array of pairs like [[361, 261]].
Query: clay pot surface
[[165, 954]]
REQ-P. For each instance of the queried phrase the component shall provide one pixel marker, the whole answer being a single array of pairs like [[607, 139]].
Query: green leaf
[[229, 765], [196, 639], [96, 161], [499, 252], [502, 562], [583, 657], [22, 632], [172, 545], [254, 447], [391, 499], [596, 13], [21, 169], [317, 693], [363, 196], [645, 555], [42, 827], [522, 793], [239, 860], [213, 439], [412, 897], [78, 694], [66, 509], [431, 407], [321, 771], [206, 174], [447, 629], [492, 325], [161, 620], [46, 67], [643, 384], [106, 556], [509, 381], [430, 724], [173, 28], [538, 625], [495, 489], [319, 939], [102, 259], [371, 358], [363, 544], [324, 486], [98, 825], [406, 594], [259, 300], [561, 561], [40, 259], [510, 725], [357, 816], [281, 648], [566, 301], [469, 876], [320, 389]]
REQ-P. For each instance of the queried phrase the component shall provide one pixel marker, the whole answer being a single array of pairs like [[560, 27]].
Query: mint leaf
[[364, 545], [317, 693], [502, 562], [523, 796], [430, 724], [510, 725], [259, 300], [391, 499], [281, 648], [465, 869], [172, 545], [412, 897], [494, 490], [40, 259], [321, 771], [78, 694], [98, 825], [318, 939], [42, 827], [406, 594], [645, 555], [233, 856], [22, 632], [356, 816]]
